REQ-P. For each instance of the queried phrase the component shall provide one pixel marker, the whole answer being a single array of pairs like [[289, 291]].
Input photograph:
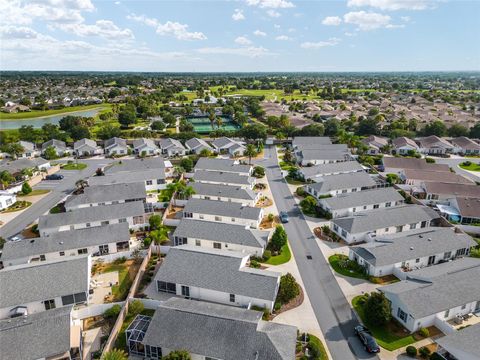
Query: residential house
[[432, 296], [98, 195], [116, 147], [333, 185], [145, 147], [132, 213], [368, 225], [217, 235], [218, 276], [197, 145], [223, 165], [462, 344], [345, 167], [7, 199], [99, 240], [434, 145], [59, 146], [225, 145], [225, 193], [209, 331], [395, 165], [86, 147], [224, 178], [468, 210], [16, 167], [29, 149], [439, 192], [402, 253], [14, 108], [415, 177], [375, 144], [172, 147], [44, 335], [29, 289], [403, 145], [299, 141], [222, 211], [318, 157], [465, 146], [354, 202]]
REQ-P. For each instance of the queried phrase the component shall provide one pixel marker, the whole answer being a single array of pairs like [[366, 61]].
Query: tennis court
[[202, 125]]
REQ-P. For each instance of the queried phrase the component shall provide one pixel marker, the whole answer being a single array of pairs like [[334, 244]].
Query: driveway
[[454, 162], [334, 314], [59, 190]]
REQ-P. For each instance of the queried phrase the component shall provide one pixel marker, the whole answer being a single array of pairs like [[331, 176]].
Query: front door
[[431, 260], [186, 291]]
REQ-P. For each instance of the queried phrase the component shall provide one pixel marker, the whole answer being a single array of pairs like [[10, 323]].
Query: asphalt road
[[334, 314], [453, 163], [59, 190]]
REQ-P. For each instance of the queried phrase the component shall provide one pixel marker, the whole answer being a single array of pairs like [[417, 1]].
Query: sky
[[240, 35]]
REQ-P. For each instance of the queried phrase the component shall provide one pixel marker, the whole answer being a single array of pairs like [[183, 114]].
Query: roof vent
[[411, 247], [32, 241], [61, 242], [429, 239]]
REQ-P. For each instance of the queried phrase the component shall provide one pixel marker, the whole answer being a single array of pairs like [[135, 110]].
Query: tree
[[279, 238], [288, 156], [50, 153], [309, 205], [457, 130], [205, 153], [475, 131], [26, 188], [254, 132], [187, 164], [108, 131], [79, 132], [2, 242], [378, 309], [288, 289], [135, 307], [311, 130], [155, 221], [14, 150], [368, 126], [332, 127], [177, 355], [127, 116], [258, 172], [250, 151], [112, 312], [115, 354], [157, 125], [437, 128]]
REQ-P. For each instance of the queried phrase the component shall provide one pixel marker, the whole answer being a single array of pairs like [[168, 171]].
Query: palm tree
[[14, 150], [211, 117], [250, 151], [218, 122], [115, 354]]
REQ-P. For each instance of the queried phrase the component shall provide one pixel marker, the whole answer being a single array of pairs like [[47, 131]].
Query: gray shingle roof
[[365, 197], [332, 168], [27, 145], [222, 177], [323, 147], [40, 335], [233, 192], [55, 143], [300, 140], [467, 190], [219, 331], [92, 214], [412, 245], [465, 143], [167, 143], [126, 177], [88, 142], [222, 208], [223, 141], [469, 207], [404, 141], [217, 270], [465, 340], [342, 181], [66, 240], [195, 143], [216, 231], [18, 165], [144, 142], [224, 165], [45, 280], [339, 155], [412, 163], [150, 163], [382, 218], [444, 291], [438, 176], [106, 193], [434, 140], [115, 142]]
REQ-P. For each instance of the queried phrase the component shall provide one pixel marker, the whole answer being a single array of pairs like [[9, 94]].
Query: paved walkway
[[6, 217]]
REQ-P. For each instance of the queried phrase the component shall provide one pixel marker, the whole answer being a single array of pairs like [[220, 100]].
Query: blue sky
[[242, 35]]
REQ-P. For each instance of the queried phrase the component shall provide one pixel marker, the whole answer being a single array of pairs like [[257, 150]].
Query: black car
[[367, 339], [54, 177]]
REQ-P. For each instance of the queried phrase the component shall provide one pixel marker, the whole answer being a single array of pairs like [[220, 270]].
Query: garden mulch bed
[[291, 305], [264, 203]]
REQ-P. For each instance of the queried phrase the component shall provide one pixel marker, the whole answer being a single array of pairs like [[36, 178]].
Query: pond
[[38, 122], [202, 125]]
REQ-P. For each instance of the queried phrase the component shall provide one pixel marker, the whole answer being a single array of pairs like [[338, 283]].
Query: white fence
[[93, 310], [148, 303], [402, 275], [443, 326], [160, 248]]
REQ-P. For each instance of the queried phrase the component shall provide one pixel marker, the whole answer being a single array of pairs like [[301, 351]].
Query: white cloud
[[10, 32], [271, 4], [367, 20], [238, 15], [179, 31], [320, 44], [251, 51], [405, 18], [144, 20], [102, 28], [117, 2], [274, 14], [283, 38], [259, 33], [243, 40], [276, 26], [392, 5], [332, 21]]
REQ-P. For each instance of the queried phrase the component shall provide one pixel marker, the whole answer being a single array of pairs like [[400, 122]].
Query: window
[[82, 251], [185, 291], [232, 298], [88, 225], [179, 241], [62, 253], [103, 249], [460, 252], [217, 245], [388, 204], [201, 217], [138, 220], [365, 207], [122, 220], [160, 181], [402, 315], [153, 352], [417, 260], [42, 257], [399, 229], [447, 255], [464, 306], [218, 218], [103, 223], [446, 313], [167, 287], [344, 233], [354, 190], [386, 229], [423, 224], [413, 226], [49, 304], [376, 206], [149, 182], [198, 243], [189, 215], [233, 219]]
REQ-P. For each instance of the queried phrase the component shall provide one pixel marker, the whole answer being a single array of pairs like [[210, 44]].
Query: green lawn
[[38, 113], [335, 261], [120, 291], [293, 181], [35, 192], [19, 205], [323, 353], [283, 258], [74, 166], [385, 338], [472, 167]]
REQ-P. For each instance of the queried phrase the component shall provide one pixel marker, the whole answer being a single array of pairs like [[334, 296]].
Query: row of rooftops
[[461, 143]]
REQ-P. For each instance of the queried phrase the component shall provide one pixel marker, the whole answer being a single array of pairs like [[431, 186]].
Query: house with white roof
[[300, 141], [344, 167], [86, 147], [145, 147], [224, 178], [333, 185], [29, 149], [59, 146], [225, 145], [233, 193], [172, 147], [375, 144], [464, 145], [434, 145], [403, 145], [223, 165], [116, 147], [197, 145], [461, 344]]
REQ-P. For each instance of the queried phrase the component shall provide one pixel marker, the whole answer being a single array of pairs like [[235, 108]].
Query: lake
[[38, 122]]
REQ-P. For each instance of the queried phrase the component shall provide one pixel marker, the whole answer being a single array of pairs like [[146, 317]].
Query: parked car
[[54, 177], [367, 339], [283, 217]]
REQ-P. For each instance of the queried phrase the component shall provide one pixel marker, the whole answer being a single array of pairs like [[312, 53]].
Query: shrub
[[378, 310], [267, 254], [411, 351], [254, 264], [300, 191], [135, 307], [314, 350], [309, 205], [113, 312], [26, 188], [258, 172], [177, 355], [288, 290], [279, 239], [467, 163], [155, 222], [430, 160], [424, 332], [424, 352], [120, 260]]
